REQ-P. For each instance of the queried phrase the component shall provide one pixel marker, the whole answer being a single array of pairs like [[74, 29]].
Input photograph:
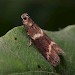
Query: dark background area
[[48, 14]]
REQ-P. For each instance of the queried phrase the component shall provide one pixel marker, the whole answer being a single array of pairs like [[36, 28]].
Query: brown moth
[[49, 49]]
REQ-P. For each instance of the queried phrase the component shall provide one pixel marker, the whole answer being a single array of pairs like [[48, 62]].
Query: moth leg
[[27, 33], [30, 42]]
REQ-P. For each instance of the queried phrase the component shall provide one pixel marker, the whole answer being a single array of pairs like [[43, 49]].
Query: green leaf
[[17, 58], [35, 73]]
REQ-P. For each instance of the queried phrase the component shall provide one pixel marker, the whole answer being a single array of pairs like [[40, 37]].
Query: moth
[[46, 46]]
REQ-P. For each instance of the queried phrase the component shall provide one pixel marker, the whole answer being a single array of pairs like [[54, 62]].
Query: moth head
[[26, 19]]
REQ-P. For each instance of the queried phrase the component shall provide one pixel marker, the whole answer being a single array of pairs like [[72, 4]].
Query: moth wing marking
[[52, 56], [38, 35], [58, 50]]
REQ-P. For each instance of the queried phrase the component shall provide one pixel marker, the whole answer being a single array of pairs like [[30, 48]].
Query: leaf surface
[[17, 58]]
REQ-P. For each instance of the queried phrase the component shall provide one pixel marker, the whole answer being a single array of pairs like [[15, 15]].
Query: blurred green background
[[48, 14]]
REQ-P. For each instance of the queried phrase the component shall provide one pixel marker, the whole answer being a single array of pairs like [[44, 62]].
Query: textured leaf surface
[[17, 58]]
